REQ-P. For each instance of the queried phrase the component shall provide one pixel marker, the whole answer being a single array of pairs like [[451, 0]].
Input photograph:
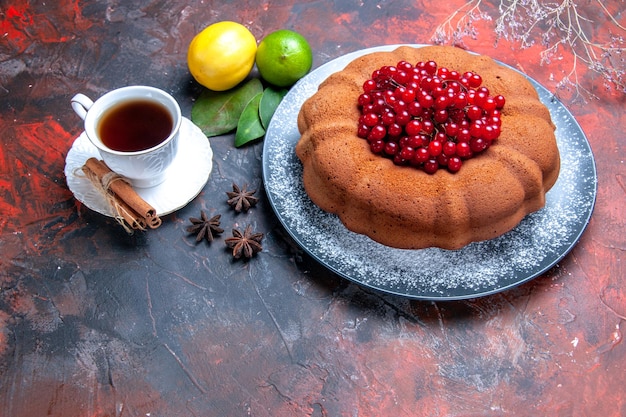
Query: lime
[[283, 57], [222, 55]]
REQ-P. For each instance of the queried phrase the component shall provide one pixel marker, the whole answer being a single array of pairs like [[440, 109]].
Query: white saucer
[[185, 177]]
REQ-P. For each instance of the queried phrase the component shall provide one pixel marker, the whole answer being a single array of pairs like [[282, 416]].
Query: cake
[[402, 206]]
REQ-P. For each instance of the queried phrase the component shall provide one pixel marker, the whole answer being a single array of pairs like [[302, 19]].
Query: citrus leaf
[[249, 127], [217, 112], [269, 102]]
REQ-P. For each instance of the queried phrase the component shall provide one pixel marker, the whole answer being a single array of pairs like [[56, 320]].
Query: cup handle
[[81, 104]]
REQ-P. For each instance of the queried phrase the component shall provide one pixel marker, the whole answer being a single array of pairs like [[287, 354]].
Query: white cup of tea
[[135, 129]]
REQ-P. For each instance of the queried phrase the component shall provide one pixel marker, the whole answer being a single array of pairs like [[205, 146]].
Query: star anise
[[205, 227], [241, 199], [245, 244]]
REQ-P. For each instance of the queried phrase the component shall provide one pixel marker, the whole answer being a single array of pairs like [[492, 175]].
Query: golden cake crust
[[404, 207]]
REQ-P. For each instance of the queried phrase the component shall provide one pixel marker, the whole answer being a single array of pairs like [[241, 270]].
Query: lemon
[[222, 55], [283, 57]]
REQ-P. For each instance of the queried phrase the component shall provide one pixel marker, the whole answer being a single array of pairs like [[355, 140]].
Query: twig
[[559, 26]]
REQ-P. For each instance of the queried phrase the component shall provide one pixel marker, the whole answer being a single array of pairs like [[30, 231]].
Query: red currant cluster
[[428, 116]]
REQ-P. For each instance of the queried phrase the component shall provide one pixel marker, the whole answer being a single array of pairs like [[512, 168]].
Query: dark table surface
[[94, 322]]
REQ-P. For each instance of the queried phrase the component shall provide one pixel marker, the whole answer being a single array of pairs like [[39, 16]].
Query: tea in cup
[[135, 129]]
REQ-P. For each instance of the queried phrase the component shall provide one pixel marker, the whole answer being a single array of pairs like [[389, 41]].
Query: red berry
[[388, 117], [363, 131], [442, 101], [431, 166], [480, 98], [369, 119], [490, 133], [364, 99], [378, 105], [454, 164], [475, 80], [398, 160], [460, 101], [477, 128], [430, 67], [378, 132], [489, 105], [414, 127], [407, 153], [377, 146], [494, 121], [415, 141], [451, 129], [399, 106], [404, 65], [463, 135], [401, 77], [463, 150], [440, 116], [391, 148], [415, 109], [474, 112], [428, 127], [403, 117], [449, 148], [428, 116], [441, 137], [369, 86], [426, 100], [499, 99], [435, 148], [421, 155], [394, 129], [478, 145], [408, 95]]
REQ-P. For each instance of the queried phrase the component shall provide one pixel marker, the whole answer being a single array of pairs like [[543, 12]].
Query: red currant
[[435, 148], [428, 116], [449, 148], [499, 99], [369, 86], [421, 155], [394, 129], [414, 127], [407, 153], [454, 164], [474, 112], [391, 148], [463, 150], [378, 132], [369, 119], [475, 80], [478, 144], [431, 166], [364, 99]]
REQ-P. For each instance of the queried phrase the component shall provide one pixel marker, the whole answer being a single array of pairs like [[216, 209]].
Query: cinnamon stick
[[128, 214], [136, 208]]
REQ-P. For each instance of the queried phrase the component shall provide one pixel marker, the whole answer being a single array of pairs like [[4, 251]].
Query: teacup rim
[[175, 129]]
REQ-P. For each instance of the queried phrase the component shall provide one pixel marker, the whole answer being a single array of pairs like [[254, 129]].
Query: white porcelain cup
[[143, 168]]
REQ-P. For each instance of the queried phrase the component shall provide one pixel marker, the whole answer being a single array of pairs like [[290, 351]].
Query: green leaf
[[269, 102], [249, 127], [218, 112]]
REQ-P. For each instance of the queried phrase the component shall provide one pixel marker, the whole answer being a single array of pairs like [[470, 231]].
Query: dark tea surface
[[135, 125]]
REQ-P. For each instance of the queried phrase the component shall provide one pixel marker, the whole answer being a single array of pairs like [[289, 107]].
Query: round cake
[[404, 207]]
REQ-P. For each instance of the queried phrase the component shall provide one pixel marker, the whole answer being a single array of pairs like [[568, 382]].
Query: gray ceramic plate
[[482, 268]]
